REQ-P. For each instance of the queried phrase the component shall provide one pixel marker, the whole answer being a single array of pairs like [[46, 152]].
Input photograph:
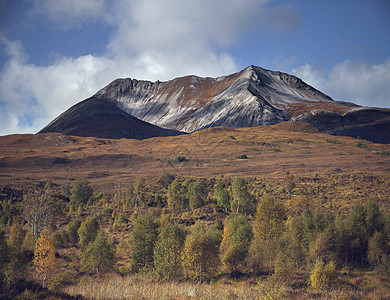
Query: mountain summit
[[248, 98], [251, 97]]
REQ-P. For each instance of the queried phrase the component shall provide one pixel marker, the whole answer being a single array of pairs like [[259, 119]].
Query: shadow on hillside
[[23, 289]]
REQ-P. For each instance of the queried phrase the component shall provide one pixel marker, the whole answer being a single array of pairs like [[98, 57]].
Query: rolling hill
[[271, 151]]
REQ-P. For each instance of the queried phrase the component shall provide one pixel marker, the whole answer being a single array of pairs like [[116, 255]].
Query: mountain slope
[[251, 97], [100, 118]]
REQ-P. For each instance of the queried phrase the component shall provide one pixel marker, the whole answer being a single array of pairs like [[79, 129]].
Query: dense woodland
[[318, 233]]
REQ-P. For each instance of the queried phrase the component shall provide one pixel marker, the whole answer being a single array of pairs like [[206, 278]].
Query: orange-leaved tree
[[44, 258]]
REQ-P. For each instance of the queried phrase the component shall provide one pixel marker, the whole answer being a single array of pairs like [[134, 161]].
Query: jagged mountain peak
[[251, 97]]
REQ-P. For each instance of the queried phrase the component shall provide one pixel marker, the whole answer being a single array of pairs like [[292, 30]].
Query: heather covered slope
[[271, 151]]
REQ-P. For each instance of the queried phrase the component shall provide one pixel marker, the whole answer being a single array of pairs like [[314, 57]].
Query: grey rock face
[[252, 97]]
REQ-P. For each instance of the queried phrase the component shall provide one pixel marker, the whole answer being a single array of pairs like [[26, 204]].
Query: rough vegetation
[[212, 226], [291, 237]]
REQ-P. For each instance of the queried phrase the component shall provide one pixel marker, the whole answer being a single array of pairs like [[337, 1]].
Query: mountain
[[248, 98], [101, 118], [251, 97]]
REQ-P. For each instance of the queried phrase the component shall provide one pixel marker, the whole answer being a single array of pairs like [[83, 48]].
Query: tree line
[[260, 234]]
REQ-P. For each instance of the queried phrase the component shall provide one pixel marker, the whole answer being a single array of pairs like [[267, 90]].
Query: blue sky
[[55, 53]]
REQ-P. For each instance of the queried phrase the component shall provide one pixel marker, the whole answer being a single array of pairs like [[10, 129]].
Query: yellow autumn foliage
[[44, 258], [323, 275], [200, 257]]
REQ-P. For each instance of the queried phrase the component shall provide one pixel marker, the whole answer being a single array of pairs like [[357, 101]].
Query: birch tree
[[38, 210], [44, 258]]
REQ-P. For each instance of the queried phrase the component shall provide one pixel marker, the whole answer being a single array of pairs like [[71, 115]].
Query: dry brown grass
[[271, 151], [307, 107], [146, 287]]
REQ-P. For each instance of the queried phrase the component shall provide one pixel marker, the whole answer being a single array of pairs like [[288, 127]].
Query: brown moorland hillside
[[322, 181], [270, 152]]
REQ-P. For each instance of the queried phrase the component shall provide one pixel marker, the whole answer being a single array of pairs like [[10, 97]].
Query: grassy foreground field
[[331, 195], [355, 286]]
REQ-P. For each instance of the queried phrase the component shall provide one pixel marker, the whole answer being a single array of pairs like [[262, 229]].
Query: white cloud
[[13, 49], [34, 95], [358, 82], [310, 75]]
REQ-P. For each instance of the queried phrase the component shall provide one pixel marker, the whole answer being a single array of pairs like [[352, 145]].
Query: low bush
[[323, 275], [107, 211], [360, 145], [180, 159], [60, 280], [333, 142]]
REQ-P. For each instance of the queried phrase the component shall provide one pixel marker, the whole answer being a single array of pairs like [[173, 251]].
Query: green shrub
[[242, 200], [142, 241], [360, 145], [81, 192], [107, 211], [176, 195], [72, 231], [196, 193], [223, 198], [322, 276], [60, 280], [57, 239], [384, 152], [242, 156], [100, 255], [167, 252], [180, 159], [121, 219], [88, 231], [94, 198], [166, 179], [333, 142]]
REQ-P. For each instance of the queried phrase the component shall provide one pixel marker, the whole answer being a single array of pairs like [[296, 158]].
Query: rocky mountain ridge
[[251, 97]]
